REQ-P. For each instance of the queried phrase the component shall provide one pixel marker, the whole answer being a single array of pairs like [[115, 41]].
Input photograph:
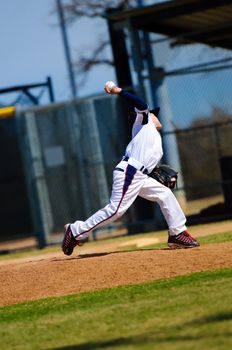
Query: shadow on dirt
[[99, 254]]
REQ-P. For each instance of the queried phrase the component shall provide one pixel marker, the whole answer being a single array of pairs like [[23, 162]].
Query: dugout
[[15, 210], [15, 213], [186, 21], [226, 170]]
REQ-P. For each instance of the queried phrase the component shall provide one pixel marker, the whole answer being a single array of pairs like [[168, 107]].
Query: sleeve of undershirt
[[140, 107], [135, 101]]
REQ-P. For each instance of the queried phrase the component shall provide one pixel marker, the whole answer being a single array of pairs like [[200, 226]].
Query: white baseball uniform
[[130, 180]]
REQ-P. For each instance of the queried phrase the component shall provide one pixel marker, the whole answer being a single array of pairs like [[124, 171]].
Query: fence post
[[40, 202], [75, 135]]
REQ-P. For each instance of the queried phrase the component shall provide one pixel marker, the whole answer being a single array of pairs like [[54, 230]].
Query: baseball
[[109, 85]]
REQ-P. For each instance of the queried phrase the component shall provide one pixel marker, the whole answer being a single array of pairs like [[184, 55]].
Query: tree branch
[[92, 8], [84, 64], [73, 10]]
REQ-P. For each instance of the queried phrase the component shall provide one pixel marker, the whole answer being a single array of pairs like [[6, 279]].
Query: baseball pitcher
[[137, 174]]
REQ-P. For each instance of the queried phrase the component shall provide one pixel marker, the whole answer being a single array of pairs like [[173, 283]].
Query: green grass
[[189, 312], [211, 239], [217, 238]]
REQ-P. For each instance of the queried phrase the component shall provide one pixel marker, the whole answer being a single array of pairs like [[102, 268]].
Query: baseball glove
[[165, 175]]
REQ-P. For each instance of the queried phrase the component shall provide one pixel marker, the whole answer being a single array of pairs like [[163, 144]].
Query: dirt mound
[[57, 275]]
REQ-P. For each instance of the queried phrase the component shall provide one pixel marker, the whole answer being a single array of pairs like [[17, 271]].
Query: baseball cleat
[[69, 242], [182, 240]]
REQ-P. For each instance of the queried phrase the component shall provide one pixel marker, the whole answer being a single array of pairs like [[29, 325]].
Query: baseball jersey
[[146, 144]]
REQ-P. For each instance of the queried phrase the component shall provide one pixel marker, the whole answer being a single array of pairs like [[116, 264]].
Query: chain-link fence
[[69, 151]]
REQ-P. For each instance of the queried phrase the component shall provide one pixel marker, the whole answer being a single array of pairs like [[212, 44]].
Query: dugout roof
[[188, 21]]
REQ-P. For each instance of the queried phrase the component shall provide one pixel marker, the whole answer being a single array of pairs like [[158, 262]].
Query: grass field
[[190, 312], [186, 312]]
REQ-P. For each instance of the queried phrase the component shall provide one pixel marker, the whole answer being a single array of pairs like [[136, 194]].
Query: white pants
[[128, 183]]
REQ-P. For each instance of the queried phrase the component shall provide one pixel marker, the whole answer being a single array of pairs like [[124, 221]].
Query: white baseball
[[109, 85]]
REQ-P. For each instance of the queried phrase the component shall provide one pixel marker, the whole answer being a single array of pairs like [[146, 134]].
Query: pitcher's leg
[[104, 216], [126, 187], [154, 191]]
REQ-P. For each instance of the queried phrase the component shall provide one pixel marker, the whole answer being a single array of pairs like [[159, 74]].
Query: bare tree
[[74, 10], [93, 8]]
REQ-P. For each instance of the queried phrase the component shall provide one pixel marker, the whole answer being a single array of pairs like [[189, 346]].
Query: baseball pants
[[128, 183]]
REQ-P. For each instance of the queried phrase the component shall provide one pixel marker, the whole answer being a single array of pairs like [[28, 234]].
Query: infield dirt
[[106, 266]]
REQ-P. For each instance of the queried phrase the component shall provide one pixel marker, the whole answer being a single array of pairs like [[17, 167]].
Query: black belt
[[142, 169]]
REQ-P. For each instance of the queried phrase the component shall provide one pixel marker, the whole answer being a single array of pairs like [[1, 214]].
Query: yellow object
[[7, 112]]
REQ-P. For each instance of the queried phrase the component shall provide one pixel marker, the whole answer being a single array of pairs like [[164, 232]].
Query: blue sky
[[32, 47]]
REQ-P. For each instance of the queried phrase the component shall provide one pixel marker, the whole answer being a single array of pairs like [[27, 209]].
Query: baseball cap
[[155, 111]]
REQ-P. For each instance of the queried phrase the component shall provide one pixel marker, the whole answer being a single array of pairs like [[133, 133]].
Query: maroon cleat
[[182, 240], [69, 242]]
